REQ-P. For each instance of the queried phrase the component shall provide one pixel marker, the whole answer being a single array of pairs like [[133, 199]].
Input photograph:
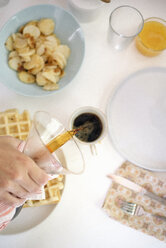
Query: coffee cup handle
[[93, 149]]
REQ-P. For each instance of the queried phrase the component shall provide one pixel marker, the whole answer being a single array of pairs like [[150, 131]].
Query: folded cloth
[[6, 214], [148, 224]]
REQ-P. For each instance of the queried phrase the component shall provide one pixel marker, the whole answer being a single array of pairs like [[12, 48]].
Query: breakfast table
[[79, 220]]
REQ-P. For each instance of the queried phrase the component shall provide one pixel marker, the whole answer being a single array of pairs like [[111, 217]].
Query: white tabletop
[[79, 220]]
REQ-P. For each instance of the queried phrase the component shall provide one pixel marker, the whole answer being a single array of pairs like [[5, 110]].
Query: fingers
[[20, 176], [21, 192], [38, 175], [29, 179], [10, 141], [30, 186], [28, 174], [23, 179], [32, 178], [12, 201]]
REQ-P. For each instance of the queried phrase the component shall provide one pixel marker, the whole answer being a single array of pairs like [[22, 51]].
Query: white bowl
[[86, 10], [67, 30]]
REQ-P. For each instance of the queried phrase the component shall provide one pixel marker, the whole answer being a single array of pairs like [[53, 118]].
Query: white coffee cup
[[86, 10], [102, 118]]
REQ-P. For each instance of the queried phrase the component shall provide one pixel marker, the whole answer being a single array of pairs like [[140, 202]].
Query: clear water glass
[[125, 23]]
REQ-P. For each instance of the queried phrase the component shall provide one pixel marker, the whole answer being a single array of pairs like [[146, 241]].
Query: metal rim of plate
[[110, 101]]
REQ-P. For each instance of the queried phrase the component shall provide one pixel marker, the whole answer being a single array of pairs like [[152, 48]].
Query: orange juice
[[152, 39]]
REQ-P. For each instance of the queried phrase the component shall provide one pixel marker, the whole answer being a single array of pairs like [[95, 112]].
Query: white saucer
[[137, 118]]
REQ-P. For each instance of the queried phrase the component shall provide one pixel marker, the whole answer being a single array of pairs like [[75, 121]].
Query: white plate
[[28, 219], [137, 118], [32, 216]]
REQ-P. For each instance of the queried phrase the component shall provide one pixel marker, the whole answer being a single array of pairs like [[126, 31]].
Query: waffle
[[18, 125], [53, 190], [14, 124]]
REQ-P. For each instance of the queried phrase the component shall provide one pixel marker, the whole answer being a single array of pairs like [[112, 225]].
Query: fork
[[137, 210]]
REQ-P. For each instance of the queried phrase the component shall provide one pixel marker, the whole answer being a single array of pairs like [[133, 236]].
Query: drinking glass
[[44, 129], [151, 41], [125, 23]]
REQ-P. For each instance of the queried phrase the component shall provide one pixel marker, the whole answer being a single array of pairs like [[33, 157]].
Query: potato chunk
[[37, 54], [32, 30], [15, 63], [46, 26], [26, 77], [9, 43]]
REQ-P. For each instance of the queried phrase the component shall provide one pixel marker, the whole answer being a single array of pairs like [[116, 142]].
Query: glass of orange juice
[[151, 41]]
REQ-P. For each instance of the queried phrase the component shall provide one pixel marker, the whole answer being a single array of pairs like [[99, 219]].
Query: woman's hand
[[19, 175]]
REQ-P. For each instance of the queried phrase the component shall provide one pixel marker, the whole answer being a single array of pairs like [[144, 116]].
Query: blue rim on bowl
[[67, 29]]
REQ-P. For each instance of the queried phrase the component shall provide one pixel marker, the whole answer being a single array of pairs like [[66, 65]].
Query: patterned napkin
[[147, 224]]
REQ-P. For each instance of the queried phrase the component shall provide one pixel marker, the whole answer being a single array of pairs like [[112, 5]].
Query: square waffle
[[18, 125], [53, 191], [14, 124]]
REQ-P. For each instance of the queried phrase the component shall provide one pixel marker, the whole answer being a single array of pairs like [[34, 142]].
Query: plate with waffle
[[18, 125]]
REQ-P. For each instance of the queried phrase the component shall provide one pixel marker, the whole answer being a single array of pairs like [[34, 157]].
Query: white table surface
[[79, 220]]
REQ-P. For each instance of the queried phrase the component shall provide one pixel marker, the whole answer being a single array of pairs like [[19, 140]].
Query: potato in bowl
[[37, 54], [67, 34]]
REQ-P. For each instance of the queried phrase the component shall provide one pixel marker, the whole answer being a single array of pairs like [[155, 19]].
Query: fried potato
[[20, 42], [33, 22], [65, 50], [60, 59], [51, 76], [50, 86], [46, 26], [9, 43], [36, 61], [26, 51], [41, 80], [37, 54], [31, 30], [17, 35], [40, 50], [13, 54], [25, 59], [26, 77], [14, 63], [31, 41], [36, 70]]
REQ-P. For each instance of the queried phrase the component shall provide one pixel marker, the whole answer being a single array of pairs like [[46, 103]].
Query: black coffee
[[91, 127]]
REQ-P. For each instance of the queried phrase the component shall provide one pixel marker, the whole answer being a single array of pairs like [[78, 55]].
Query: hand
[[19, 175]]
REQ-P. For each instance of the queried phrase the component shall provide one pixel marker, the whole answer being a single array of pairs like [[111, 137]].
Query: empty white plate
[[137, 118]]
